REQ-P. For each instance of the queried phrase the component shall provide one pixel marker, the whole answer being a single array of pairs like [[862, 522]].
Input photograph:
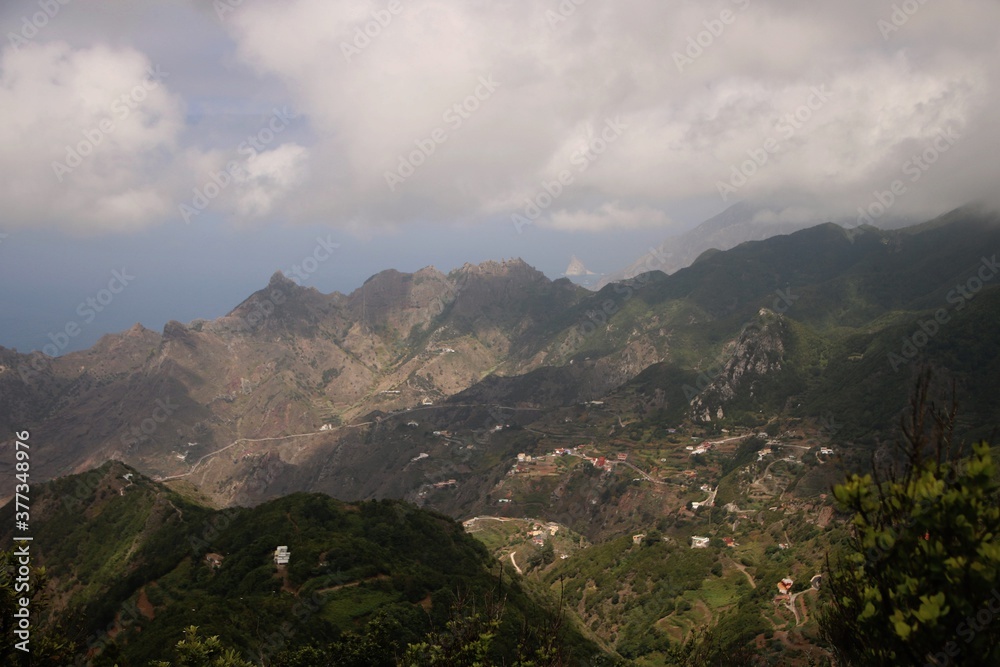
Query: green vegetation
[[632, 587], [918, 581], [135, 567], [136, 581], [197, 651]]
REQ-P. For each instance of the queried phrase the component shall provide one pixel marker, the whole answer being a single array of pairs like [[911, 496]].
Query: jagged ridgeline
[[295, 390], [132, 563]]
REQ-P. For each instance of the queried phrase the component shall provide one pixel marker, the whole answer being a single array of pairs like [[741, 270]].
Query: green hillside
[[132, 564]]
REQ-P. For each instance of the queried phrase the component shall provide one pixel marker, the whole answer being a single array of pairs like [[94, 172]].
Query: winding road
[[514, 563], [244, 440]]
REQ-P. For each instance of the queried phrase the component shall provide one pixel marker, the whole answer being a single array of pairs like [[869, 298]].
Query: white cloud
[[610, 215], [686, 129], [267, 177], [369, 101], [83, 134]]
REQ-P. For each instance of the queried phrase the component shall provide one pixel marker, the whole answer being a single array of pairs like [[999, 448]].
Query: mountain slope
[[286, 360], [296, 390], [133, 563], [739, 223]]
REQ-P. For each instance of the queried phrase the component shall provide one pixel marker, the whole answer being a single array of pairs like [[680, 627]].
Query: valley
[[653, 463]]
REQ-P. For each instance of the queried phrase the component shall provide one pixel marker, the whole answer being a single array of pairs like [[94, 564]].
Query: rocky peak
[[757, 352], [577, 268], [515, 268], [279, 279]]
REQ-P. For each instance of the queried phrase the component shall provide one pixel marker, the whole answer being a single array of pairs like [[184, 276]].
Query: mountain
[[132, 563], [740, 223], [286, 360], [576, 268], [606, 437], [297, 390]]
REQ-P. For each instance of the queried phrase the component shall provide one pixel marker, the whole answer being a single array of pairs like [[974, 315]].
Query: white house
[[699, 542], [281, 556]]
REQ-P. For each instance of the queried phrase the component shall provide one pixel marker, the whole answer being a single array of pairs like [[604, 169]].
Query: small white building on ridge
[[281, 556]]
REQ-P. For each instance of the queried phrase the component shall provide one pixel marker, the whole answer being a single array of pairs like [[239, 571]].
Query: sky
[[163, 159]]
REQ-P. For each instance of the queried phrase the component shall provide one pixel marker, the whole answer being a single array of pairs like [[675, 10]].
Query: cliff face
[[757, 354], [287, 360], [286, 391]]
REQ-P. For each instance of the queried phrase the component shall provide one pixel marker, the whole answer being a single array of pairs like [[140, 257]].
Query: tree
[[548, 553], [920, 580], [197, 651], [466, 640], [730, 643], [47, 644]]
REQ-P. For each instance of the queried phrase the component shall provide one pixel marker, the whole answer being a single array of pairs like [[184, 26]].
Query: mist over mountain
[[743, 221], [499, 334], [290, 360], [492, 391]]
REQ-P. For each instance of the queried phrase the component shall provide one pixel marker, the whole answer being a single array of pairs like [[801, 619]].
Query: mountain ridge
[[261, 399]]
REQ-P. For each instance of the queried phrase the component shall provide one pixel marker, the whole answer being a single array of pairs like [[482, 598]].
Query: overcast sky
[[204, 145]]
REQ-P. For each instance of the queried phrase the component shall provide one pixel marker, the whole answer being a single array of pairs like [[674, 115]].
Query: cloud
[[423, 110], [267, 178], [84, 133], [95, 140], [375, 84], [609, 216]]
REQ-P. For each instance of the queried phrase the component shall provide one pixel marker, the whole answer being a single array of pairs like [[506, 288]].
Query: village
[[693, 474]]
